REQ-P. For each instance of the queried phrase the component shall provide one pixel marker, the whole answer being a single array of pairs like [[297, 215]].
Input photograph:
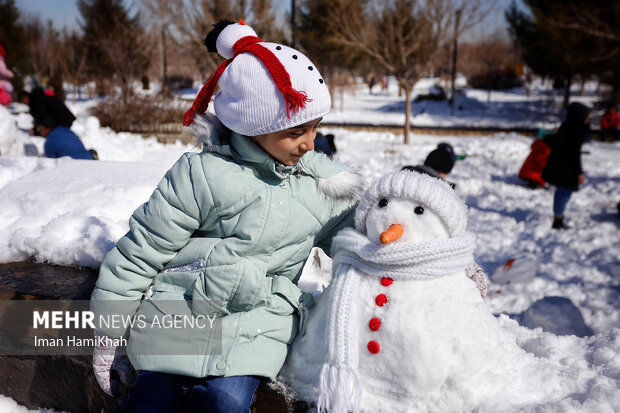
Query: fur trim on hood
[[345, 185]]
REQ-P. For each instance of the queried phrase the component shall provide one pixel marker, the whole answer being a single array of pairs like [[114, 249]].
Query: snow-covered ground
[[69, 212]]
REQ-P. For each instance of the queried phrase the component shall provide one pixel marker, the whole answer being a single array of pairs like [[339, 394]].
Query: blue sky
[[64, 13]]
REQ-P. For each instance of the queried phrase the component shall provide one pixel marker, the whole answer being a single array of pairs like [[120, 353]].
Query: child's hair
[[264, 87]]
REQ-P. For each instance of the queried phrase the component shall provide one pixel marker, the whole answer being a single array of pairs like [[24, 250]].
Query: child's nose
[[308, 142]]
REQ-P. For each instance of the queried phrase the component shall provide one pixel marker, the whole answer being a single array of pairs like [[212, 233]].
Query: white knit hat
[[264, 87], [430, 192]]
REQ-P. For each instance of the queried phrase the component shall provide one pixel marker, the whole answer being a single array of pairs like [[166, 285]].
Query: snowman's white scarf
[[354, 254]]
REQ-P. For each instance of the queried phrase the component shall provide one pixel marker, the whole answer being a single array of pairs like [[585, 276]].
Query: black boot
[[558, 223]]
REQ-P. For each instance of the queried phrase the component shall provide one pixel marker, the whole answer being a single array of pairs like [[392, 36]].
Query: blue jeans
[[160, 392], [560, 199]]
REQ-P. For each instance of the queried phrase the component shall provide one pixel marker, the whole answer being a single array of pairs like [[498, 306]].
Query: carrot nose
[[394, 232]]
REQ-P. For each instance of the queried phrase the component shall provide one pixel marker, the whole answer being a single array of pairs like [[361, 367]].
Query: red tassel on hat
[[295, 99]]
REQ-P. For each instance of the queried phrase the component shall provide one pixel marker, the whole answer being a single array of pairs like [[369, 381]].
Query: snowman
[[401, 327]]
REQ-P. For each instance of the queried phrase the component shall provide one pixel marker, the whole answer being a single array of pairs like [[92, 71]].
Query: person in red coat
[[610, 122], [533, 166]]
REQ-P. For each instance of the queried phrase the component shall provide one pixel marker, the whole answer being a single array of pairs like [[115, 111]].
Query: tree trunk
[[407, 112], [567, 92], [615, 92]]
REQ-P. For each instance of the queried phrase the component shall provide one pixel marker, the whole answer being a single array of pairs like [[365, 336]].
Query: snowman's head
[[410, 207]]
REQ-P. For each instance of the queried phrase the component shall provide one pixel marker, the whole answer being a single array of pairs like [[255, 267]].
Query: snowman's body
[[422, 347], [408, 342]]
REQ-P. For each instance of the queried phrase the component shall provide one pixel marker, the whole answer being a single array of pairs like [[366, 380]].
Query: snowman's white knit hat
[[264, 87], [430, 192]]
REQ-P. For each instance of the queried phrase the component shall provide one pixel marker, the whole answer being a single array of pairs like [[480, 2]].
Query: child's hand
[[581, 179], [105, 360]]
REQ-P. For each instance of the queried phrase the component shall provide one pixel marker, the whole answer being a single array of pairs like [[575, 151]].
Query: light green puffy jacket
[[228, 231]]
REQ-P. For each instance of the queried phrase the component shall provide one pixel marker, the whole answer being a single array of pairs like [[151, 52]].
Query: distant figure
[[610, 122], [5, 74], [532, 168], [563, 168], [372, 79], [438, 163], [61, 141], [325, 144], [43, 106]]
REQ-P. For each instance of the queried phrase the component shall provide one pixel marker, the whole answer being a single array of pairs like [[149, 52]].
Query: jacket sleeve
[[158, 229], [343, 216]]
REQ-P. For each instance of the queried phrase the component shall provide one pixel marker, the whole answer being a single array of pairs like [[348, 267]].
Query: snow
[[71, 212]]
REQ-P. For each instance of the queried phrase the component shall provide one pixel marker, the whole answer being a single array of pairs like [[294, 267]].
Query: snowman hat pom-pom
[[428, 191], [229, 35]]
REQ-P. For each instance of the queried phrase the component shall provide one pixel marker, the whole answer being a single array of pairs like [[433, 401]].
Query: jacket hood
[[577, 113]]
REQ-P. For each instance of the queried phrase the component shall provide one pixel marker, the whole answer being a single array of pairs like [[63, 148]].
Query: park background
[[517, 66]]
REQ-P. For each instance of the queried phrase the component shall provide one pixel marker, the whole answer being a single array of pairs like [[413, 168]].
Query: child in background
[[231, 225], [610, 122], [563, 168], [61, 141], [5, 85]]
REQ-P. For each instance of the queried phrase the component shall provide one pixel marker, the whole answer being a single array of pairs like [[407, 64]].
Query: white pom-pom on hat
[[229, 36]]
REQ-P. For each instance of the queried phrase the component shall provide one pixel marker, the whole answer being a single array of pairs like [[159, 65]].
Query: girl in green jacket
[[203, 286]]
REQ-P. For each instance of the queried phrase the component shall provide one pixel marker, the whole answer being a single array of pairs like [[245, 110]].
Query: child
[[232, 225], [61, 141], [563, 168], [5, 75], [610, 122]]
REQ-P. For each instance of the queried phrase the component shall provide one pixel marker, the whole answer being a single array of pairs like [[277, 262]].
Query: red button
[[381, 299], [373, 347], [386, 282], [374, 324]]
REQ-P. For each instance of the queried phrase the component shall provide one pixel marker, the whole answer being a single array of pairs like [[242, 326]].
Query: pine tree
[[318, 37], [552, 44], [117, 46], [15, 41]]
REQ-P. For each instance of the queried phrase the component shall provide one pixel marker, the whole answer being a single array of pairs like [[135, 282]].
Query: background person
[[5, 75], [610, 122], [438, 163], [44, 106], [61, 141], [563, 168]]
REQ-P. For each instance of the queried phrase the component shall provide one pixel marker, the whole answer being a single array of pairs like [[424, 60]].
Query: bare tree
[[50, 53], [188, 21], [488, 58], [402, 36]]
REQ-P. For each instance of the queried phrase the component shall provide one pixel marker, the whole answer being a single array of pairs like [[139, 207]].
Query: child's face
[[289, 145]]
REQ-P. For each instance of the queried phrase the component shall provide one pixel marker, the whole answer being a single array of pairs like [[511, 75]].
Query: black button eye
[[278, 48], [383, 203], [419, 210]]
